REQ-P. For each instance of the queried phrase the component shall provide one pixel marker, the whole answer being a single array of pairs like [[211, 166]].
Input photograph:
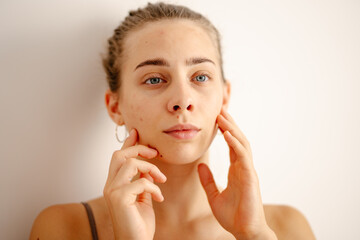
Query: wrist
[[267, 234], [270, 235]]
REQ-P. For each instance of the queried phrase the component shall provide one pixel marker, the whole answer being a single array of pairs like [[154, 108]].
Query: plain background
[[295, 71]]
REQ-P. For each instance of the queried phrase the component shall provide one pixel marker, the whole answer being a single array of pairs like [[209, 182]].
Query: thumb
[[208, 183]]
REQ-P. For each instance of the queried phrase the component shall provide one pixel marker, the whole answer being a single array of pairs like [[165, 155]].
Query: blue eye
[[153, 81], [201, 78]]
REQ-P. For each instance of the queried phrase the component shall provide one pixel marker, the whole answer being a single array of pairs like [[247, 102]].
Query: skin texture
[[158, 186], [149, 109]]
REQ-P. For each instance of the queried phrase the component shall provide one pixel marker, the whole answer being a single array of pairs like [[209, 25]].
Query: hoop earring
[[117, 137]]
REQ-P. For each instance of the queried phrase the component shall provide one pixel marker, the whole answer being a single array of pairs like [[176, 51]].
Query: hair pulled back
[[136, 19]]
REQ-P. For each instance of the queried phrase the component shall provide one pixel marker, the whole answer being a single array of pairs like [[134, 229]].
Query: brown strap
[[91, 220]]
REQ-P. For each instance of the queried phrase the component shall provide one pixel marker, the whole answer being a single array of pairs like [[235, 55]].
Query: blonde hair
[[136, 19]]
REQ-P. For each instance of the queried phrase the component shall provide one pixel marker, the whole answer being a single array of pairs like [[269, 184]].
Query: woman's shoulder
[[288, 222], [61, 221]]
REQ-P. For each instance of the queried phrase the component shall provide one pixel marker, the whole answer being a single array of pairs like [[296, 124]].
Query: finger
[[208, 183], [228, 117], [239, 150], [139, 150], [227, 125], [120, 156], [145, 197], [140, 186], [132, 166], [131, 139]]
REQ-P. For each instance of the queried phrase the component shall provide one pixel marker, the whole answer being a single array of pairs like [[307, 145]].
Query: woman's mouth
[[182, 131]]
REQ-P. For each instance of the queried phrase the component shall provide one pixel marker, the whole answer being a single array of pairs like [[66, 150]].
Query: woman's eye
[[201, 78], [154, 80]]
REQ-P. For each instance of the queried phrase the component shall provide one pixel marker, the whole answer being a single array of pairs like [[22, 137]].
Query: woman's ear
[[226, 94], [112, 103]]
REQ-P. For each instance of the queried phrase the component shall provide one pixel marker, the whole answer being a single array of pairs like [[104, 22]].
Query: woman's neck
[[184, 198]]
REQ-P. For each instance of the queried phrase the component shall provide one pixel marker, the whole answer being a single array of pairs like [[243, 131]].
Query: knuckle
[[130, 161], [118, 155], [153, 168], [144, 181], [147, 183]]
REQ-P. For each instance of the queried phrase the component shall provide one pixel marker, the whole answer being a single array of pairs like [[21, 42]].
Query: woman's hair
[[136, 19]]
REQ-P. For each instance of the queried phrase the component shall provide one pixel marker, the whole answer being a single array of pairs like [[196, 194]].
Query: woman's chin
[[179, 157]]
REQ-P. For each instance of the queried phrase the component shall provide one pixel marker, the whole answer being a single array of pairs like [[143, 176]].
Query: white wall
[[295, 71]]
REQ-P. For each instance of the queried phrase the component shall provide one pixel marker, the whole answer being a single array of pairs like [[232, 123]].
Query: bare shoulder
[[288, 222], [63, 221]]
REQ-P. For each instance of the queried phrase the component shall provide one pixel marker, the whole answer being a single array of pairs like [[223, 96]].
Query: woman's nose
[[178, 107], [180, 100]]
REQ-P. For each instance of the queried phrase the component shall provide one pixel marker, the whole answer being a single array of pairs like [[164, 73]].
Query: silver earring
[[117, 137]]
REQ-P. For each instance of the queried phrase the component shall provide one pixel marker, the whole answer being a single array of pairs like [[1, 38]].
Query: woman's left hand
[[239, 208]]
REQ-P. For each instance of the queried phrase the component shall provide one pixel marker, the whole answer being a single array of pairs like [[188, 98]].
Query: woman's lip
[[182, 127], [182, 131], [183, 134]]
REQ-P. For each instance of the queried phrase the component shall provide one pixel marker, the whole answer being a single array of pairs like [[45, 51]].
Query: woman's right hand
[[130, 202]]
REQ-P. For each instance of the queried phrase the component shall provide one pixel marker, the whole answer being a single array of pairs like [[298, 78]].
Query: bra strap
[[91, 220]]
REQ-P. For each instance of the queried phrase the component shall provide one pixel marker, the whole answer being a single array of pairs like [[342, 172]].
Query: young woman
[[167, 87]]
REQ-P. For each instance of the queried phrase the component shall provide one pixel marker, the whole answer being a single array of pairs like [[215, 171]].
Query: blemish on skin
[[141, 119], [177, 117], [160, 155]]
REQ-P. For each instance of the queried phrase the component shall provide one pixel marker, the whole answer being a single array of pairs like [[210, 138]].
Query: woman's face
[[171, 89]]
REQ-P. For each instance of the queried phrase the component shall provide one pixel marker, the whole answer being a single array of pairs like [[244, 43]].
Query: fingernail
[[132, 131], [227, 133], [152, 149], [164, 177]]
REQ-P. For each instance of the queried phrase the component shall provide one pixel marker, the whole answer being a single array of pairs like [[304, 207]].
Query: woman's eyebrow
[[198, 60], [155, 61], [163, 62]]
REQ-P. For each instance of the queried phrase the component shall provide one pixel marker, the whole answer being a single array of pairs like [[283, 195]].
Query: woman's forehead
[[169, 39]]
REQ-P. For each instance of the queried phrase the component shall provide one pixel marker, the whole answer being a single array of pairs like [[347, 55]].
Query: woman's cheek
[[213, 105], [134, 117]]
